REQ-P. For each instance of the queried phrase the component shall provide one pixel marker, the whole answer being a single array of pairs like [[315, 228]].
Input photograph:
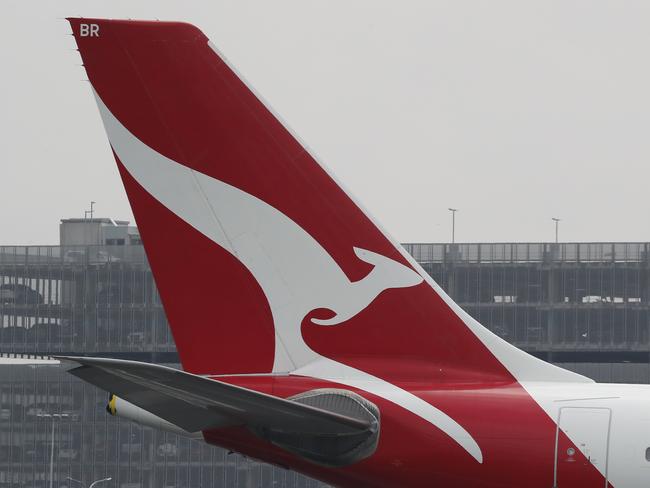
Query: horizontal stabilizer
[[196, 403]]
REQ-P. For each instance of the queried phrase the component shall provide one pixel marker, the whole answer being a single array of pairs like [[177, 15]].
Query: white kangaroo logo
[[386, 273], [296, 274]]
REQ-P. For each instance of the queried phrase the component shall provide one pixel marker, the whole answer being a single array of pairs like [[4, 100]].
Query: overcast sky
[[512, 111]]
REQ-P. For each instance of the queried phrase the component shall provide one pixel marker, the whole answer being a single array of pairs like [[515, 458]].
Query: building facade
[[584, 306], [570, 302]]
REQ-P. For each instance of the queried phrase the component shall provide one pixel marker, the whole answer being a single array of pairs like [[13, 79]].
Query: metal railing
[[506, 252], [530, 252], [72, 255]]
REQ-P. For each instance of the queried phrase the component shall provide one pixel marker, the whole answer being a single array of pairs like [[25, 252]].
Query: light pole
[[453, 224], [52, 416], [557, 225]]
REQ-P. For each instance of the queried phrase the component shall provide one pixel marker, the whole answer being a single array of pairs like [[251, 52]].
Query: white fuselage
[[610, 424]]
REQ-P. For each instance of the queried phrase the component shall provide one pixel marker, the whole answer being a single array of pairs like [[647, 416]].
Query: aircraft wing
[[196, 403]]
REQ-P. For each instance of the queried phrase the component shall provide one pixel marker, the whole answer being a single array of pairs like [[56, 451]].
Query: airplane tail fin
[[263, 262]]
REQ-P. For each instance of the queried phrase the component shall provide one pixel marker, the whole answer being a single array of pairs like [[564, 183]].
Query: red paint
[[167, 86], [516, 437], [188, 268]]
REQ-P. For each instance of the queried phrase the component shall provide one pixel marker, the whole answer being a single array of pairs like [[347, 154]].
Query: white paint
[[589, 429], [296, 274], [629, 430], [359, 294], [88, 30]]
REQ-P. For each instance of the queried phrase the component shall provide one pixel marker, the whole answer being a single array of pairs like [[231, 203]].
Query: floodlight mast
[[453, 224], [557, 225], [52, 416]]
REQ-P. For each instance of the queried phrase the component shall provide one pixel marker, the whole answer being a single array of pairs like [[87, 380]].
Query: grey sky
[[512, 111]]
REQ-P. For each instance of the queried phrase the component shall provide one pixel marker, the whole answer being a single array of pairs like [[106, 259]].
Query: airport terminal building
[[585, 306]]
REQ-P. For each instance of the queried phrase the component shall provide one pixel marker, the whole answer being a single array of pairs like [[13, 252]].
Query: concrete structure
[[586, 306], [98, 232]]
